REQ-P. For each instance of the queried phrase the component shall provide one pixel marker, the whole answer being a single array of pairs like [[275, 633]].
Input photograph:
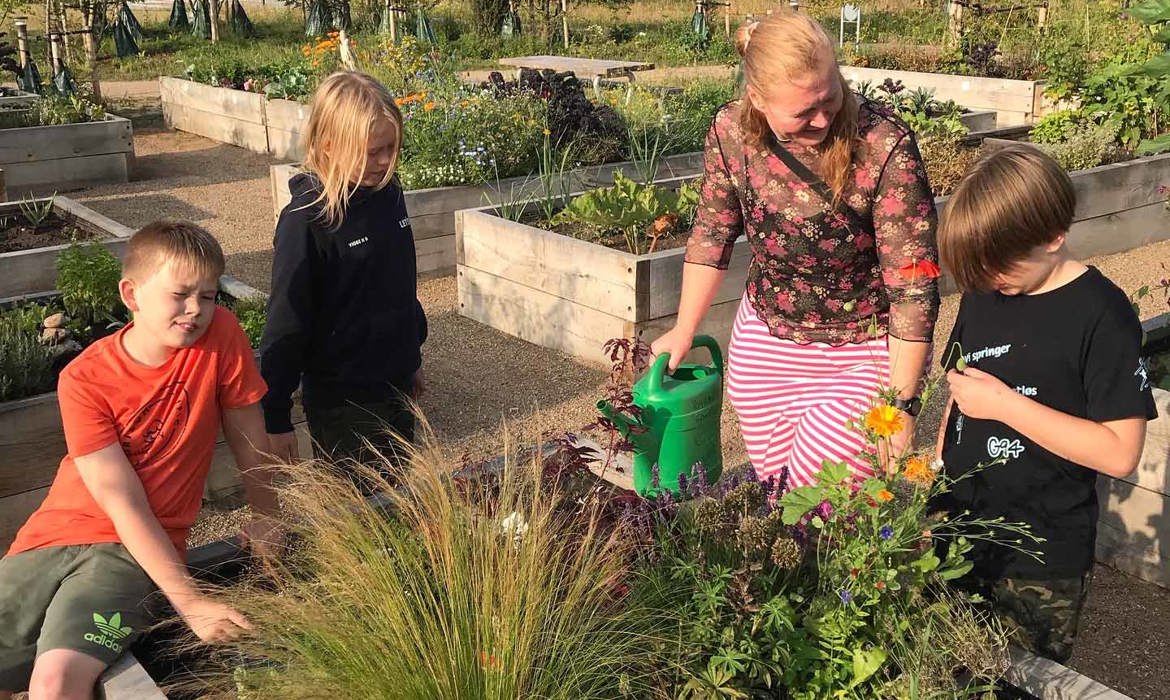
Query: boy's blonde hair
[[345, 108], [789, 45], [183, 243], [1015, 199]]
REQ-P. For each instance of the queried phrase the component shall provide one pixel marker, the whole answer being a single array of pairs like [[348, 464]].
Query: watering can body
[[679, 423]]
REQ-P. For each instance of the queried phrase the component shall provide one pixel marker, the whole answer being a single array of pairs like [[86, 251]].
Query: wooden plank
[[279, 175], [717, 323], [217, 127], [577, 271], [62, 173], [126, 679], [224, 487], [237, 105], [14, 511], [1115, 233], [35, 271], [1137, 512], [979, 119], [32, 443], [286, 122], [35, 143], [1047, 680], [90, 220], [1013, 99], [665, 282], [536, 316], [1119, 186], [578, 66], [434, 256]]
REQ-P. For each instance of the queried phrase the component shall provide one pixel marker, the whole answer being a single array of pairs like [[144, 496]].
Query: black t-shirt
[[1076, 349]]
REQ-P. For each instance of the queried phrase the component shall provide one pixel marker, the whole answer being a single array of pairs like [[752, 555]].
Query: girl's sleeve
[[905, 227], [718, 218], [289, 325]]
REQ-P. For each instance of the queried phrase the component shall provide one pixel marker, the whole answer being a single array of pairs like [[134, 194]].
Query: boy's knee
[[64, 674]]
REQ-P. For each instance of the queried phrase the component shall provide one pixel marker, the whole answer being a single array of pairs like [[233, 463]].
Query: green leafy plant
[[26, 366], [1156, 14], [1088, 146], [87, 277], [251, 312], [630, 207], [1058, 126], [37, 211]]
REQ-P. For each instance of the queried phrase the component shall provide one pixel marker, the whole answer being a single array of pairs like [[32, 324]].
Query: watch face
[[914, 406]]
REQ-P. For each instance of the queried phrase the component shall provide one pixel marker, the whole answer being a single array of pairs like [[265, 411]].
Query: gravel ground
[[488, 389]]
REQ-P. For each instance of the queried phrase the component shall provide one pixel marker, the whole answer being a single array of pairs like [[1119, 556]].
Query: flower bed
[[572, 295], [33, 270]]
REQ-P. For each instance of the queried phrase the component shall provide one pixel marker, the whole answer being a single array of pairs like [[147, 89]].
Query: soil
[[488, 390], [18, 234]]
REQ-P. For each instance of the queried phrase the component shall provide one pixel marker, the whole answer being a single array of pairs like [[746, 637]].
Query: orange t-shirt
[[166, 418]]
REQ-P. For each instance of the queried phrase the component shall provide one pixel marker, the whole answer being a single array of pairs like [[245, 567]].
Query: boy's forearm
[[1113, 451], [245, 433]]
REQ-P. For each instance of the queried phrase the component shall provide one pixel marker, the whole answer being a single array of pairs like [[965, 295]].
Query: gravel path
[[480, 378]]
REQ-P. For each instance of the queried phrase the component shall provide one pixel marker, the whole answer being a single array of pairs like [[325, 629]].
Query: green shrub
[[26, 366], [1087, 147], [251, 313], [1058, 126], [53, 110], [87, 277]]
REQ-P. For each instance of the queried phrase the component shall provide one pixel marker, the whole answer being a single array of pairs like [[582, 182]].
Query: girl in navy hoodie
[[344, 319]]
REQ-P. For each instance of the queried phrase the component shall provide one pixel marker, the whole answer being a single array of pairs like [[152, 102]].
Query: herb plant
[[87, 277]]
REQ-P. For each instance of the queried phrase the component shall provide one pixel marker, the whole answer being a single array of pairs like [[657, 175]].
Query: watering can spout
[[622, 422]]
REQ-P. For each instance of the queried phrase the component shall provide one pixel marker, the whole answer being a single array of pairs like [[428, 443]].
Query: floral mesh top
[[814, 276]]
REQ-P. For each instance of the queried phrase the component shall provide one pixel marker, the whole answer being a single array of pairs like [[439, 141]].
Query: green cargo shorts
[[1041, 616], [92, 598]]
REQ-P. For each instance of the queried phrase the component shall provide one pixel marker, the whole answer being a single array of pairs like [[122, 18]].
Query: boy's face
[[1034, 273], [174, 306]]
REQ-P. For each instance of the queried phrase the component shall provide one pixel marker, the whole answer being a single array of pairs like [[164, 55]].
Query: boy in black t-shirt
[[1052, 381]]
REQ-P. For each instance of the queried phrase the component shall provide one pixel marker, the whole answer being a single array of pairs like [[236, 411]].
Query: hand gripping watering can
[[679, 424]]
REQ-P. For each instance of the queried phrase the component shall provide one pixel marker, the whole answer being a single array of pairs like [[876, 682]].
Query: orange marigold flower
[[884, 420], [429, 106], [918, 471], [885, 496]]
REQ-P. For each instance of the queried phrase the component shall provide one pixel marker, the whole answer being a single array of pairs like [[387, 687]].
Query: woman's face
[[801, 110]]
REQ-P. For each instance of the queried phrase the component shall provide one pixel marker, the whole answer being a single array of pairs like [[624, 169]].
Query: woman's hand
[[677, 341]]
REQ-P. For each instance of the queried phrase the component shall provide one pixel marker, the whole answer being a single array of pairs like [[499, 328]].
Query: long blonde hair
[[345, 108], [778, 48]]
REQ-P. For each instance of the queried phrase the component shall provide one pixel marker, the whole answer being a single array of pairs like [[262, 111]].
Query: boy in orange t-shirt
[[141, 410]]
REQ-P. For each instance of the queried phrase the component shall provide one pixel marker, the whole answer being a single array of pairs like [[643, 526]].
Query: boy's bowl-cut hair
[[181, 242], [1015, 199]]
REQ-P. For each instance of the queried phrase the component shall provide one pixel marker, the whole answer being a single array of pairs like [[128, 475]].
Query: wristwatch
[[910, 406]]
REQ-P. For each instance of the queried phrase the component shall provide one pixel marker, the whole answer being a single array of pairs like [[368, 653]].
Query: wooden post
[[64, 31], [3, 187], [214, 12], [22, 40], [727, 20], [794, 5], [393, 21], [90, 42], [55, 52], [954, 22], [565, 21], [1042, 18]]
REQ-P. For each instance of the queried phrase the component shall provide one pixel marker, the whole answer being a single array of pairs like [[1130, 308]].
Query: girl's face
[[802, 110], [380, 148]]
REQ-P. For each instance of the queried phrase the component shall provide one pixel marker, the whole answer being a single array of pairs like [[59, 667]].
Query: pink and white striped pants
[[794, 401]]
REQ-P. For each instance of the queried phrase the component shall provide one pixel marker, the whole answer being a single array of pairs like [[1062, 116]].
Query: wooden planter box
[[571, 295], [34, 271], [1015, 101], [18, 100], [66, 155], [977, 120], [432, 211], [220, 114], [32, 444], [1133, 533]]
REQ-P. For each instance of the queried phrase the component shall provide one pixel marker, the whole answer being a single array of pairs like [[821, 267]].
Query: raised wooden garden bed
[[35, 158], [32, 444], [1015, 101], [246, 119], [571, 295], [432, 211], [1134, 529], [34, 271]]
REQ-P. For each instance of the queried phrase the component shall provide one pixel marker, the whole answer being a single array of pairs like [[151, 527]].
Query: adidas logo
[[111, 630]]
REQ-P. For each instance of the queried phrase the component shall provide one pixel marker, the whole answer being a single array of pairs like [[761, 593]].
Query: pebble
[[57, 320]]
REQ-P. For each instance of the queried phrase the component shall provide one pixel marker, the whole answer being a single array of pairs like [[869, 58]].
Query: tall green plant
[[630, 207], [87, 277], [479, 584], [26, 366], [1156, 14]]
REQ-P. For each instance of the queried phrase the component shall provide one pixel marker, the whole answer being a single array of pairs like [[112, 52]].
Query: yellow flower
[[547, 132], [884, 420], [918, 471], [885, 496], [429, 106]]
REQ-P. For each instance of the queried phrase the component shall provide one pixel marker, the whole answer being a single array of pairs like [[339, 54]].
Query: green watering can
[[679, 424]]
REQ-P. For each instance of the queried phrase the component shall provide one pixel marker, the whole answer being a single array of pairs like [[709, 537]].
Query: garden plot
[[67, 155]]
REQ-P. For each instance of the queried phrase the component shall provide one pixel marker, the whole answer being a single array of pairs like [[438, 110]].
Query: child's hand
[[212, 621], [283, 446], [418, 385], [979, 394]]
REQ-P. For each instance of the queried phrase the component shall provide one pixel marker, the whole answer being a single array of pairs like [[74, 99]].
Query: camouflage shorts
[[1040, 616]]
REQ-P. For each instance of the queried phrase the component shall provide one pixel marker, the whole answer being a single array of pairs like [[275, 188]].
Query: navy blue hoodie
[[343, 316]]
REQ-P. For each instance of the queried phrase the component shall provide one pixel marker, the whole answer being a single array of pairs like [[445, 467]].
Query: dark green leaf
[[1151, 11], [1149, 147]]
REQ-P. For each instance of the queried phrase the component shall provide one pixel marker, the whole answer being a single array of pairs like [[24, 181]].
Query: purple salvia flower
[[846, 596], [682, 484]]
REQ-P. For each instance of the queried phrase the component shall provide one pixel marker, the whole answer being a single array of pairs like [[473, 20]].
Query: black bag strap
[[856, 220]]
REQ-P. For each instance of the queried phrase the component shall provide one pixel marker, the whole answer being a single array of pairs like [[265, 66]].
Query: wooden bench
[[595, 69]]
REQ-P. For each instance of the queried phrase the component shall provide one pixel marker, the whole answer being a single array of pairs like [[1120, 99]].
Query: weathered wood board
[[65, 155]]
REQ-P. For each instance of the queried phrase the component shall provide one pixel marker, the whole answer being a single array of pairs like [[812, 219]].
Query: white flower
[[515, 526], [937, 465]]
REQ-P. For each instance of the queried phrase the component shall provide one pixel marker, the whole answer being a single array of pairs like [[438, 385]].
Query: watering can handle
[[658, 369]]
